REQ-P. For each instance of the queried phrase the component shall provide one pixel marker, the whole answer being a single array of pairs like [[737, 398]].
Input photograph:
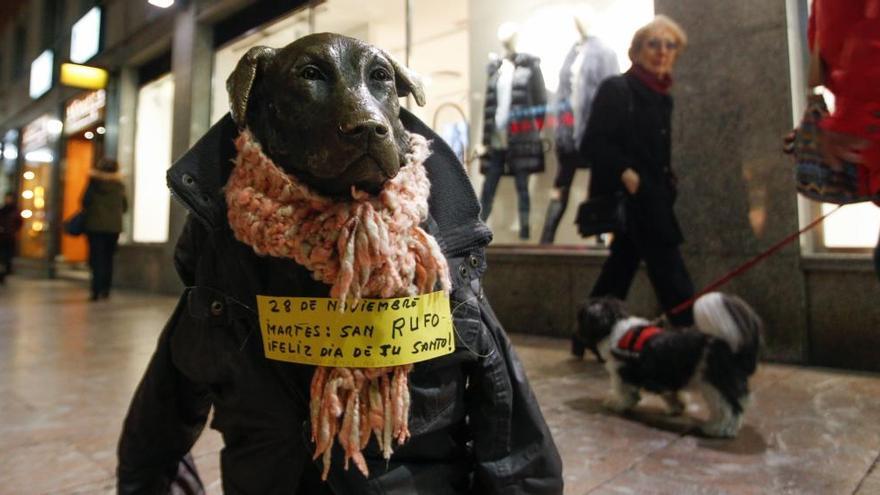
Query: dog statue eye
[[381, 74], [311, 73]]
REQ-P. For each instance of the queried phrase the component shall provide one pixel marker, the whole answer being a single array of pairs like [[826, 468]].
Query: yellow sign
[[83, 76], [370, 333]]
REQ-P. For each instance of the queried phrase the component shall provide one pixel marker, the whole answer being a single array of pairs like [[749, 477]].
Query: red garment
[[633, 341], [659, 84], [848, 34]]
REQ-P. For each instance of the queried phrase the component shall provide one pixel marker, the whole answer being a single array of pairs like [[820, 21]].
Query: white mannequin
[[508, 34], [582, 23]]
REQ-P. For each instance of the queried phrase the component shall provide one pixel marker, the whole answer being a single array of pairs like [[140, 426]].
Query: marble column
[[737, 197]]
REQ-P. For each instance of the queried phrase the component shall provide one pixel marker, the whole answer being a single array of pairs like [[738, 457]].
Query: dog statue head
[[325, 108], [595, 321]]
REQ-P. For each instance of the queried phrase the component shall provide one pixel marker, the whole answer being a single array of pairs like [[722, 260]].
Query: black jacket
[[10, 222], [630, 127], [104, 203], [528, 104], [476, 426]]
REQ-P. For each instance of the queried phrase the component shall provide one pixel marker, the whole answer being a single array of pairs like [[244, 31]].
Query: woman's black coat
[[630, 127], [476, 426]]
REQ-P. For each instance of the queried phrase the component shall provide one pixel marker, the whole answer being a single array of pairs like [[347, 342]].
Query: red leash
[[749, 264]]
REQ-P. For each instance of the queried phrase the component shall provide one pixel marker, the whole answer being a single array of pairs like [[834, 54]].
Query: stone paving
[[68, 368]]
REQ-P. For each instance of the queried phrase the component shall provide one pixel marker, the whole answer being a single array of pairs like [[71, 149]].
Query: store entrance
[[84, 146], [80, 154]]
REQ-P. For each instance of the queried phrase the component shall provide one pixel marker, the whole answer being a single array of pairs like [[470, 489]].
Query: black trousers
[[666, 270], [7, 251], [102, 247]]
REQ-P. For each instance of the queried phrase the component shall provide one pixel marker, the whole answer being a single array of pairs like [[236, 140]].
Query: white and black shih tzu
[[715, 357]]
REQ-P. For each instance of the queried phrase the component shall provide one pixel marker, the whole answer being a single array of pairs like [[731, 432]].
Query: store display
[[514, 110], [587, 64]]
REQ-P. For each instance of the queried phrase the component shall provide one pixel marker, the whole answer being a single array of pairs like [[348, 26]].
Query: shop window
[[39, 139], [152, 157], [548, 31], [451, 44], [853, 227]]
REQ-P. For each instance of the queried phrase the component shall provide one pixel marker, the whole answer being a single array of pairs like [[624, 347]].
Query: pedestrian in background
[[628, 142], [10, 222], [104, 203]]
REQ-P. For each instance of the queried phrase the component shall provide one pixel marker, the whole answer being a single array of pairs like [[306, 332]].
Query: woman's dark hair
[[107, 165]]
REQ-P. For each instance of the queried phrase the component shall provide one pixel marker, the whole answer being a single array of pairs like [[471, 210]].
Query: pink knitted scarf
[[366, 246]]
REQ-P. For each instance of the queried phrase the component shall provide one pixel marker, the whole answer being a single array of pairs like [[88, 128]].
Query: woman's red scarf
[[660, 85]]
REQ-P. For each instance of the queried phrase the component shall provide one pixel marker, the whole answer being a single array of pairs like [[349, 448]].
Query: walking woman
[[104, 202], [628, 141]]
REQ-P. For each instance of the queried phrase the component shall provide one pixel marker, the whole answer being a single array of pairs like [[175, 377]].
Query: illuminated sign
[[41, 74], [83, 76], [85, 36], [84, 111], [39, 133]]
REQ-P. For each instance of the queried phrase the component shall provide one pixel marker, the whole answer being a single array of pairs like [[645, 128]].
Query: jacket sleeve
[[514, 450], [166, 416], [607, 128], [539, 92]]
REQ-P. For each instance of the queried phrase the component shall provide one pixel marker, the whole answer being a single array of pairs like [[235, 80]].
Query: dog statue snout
[[357, 130]]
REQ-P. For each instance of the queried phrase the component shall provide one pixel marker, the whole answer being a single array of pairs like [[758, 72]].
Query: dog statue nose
[[357, 130]]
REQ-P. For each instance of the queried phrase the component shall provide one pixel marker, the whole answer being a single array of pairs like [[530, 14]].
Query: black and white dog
[[716, 357]]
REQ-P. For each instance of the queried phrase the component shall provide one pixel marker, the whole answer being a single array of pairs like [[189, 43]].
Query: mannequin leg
[[490, 183], [555, 210], [524, 204], [567, 165]]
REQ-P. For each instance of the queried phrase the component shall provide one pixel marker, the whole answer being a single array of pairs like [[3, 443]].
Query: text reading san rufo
[[368, 333]]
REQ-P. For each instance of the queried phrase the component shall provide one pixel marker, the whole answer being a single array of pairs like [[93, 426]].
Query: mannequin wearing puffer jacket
[[513, 118]]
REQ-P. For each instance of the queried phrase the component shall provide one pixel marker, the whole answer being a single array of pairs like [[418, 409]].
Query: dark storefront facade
[[166, 85]]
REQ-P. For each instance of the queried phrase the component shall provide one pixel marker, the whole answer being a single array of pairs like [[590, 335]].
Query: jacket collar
[[197, 178]]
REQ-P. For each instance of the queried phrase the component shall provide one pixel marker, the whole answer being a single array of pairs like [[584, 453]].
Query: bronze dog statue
[[325, 111], [325, 108]]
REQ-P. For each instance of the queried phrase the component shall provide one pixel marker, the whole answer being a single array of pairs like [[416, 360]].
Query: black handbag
[[76, 224], [602, 215]]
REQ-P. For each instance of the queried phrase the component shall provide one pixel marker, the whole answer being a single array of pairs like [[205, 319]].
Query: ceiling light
[[28, 175], [164, 4], [101, 130], [89, 134], [26, 213], [27, 194]]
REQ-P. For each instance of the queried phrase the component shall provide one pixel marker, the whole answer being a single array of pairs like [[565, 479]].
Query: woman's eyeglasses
[[656, 44]]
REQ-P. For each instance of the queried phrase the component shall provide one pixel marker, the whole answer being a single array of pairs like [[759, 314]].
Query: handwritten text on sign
[[370, 333]]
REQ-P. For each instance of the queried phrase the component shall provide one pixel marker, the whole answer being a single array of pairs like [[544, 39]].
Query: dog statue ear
[[407, 82], [241, 81]]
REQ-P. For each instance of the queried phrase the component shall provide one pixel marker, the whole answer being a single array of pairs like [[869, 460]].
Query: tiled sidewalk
[[68, 368]]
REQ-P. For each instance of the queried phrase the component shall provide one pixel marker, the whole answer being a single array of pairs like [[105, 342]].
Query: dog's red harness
[[633, 341]]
